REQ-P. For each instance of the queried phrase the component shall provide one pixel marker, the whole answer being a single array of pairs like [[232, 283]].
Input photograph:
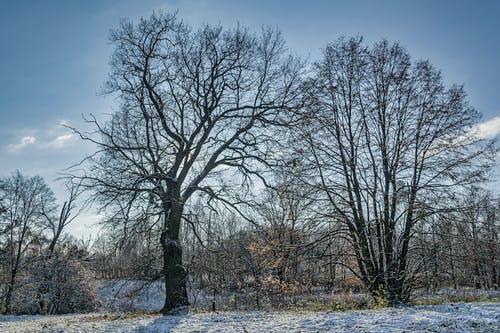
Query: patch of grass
[[344, 301], [118, 316]]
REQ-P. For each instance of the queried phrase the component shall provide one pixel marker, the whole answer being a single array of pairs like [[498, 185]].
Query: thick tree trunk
[[174, 273], [175, 276]]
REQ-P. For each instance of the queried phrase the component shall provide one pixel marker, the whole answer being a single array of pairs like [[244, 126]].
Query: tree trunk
[[452, 266], [10, 291], [173, 271]]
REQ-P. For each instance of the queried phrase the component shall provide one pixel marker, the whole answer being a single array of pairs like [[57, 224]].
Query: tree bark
[[173, 270]]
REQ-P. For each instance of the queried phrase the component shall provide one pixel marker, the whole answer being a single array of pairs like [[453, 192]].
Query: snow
[[131, 295], [141, 296], [459, 317]]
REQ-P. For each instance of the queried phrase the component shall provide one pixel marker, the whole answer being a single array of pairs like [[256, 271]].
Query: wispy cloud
[[488, 129], [61, 140], [52, 137], [24, 142]]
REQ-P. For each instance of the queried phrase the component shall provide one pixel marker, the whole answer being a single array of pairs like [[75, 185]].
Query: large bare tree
[[194, 104], [387, 142]]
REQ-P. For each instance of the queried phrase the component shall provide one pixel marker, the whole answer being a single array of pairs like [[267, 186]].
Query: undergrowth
[[349, 303]]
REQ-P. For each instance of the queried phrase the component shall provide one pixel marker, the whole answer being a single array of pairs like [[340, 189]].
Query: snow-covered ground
[[131, 295], [459, 317]]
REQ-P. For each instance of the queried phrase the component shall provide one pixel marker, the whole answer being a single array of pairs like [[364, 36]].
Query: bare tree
[[387, 141], [194, 104], [288, 221], [24, 200], [477, 236], [56, 224]]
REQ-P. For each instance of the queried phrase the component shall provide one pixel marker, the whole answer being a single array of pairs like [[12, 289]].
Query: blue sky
[[54, 57]]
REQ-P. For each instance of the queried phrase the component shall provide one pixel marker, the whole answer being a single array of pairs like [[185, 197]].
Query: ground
[[457, 317]]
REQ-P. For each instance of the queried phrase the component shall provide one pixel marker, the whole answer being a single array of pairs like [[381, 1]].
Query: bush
[[56, 286]]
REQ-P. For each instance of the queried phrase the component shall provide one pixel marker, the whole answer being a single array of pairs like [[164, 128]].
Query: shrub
[[56, 286]]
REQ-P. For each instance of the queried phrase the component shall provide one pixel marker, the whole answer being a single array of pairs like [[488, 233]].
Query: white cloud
[[50, 139], [25, 141], [28, 140], [61, 140], [489, 129]]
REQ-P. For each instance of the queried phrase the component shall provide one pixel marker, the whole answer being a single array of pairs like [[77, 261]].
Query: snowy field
[[459, 317]]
